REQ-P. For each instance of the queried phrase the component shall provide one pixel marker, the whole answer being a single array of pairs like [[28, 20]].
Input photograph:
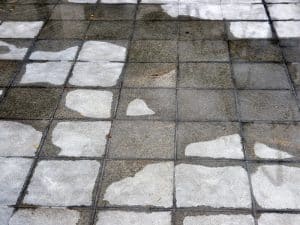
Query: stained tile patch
[[279, 219], [5, 214], [250, 30], [219, 219], [11, 51], [284, 11], [65, 54], [10, 29], [287, 29], [138, 107], [263, 151]]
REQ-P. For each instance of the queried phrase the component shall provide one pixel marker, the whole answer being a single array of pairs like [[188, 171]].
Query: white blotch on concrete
[[283, 186], [1, 92], [138, 107], [164, 80], [279, 219], [265, 152], [133, 218], [119, 1], [201, 11], [5, 214], [81, 138], [13, 52], [244, 12], [281, 1], [284, 11], [250, 30], [82, 1], [17, 139], [63, 183], [12, 29], [12, 177], [49, 72], [223, 147], [102, 51], [153, 185], [287, 29], [66, 54], [219, 220], [90, 103], [45, 216], [216, 187], [159, 1], [104, 74]]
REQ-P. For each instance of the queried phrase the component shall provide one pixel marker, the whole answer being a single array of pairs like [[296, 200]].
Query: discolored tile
[[160, 101], [114, 30], [12, 29], [142, 139], [8, 69], [291, 49], [190, 132], [196, 30], [155, 12], [260, 76], [29, 103], [153, 51], [294, 69], [5, 214], [150, 75], [203, 51], [200, 105], [205, 75], [64, 29], [268, 105], [254, 50], [114, 12], [72, 12], [14, 49], [279, 219], [153, 30]]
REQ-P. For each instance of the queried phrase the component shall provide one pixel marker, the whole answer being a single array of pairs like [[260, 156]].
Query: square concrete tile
[[254, 50], [77, 139], [9, 69], [204, 50], [156, 104], [161, 30], [153, 51], [111, 30], [142, 139], [189, 134], [195, 30], [200, 10], [137, 183], [200, 105], [13, 49], [72, 12], [205, 75], [283, 190], [29, 103], [20, 138], [5, 214], [62, 183], [18, 29], [213, 186], [54, 50], [12, 178], [272, 141], [150, 75], [114, 12], [279, 219], [155, 12], [260, 76], [87, 103], [30, 12], [268, 105], [51, 215], [294, 69], [291, 49], [61, 29]]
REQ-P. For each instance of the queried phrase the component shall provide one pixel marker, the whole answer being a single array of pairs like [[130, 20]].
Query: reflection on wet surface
[[154, 112]]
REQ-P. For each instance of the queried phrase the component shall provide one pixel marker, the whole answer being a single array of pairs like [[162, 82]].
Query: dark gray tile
[[114, 12], [294, 69], [291, 50], [72, 12], [205, 75], [8, 69], [160, 30], [153, 12], [200, 105]]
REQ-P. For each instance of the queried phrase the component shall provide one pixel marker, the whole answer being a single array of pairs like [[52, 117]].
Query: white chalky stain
[[5, 213], [216, 187], [12, 29], [229, 146], [219, 220], [287, 29], [12, 177], [164, 79], [119, 1], [66, 54], [81, 138], [153, 185], [82, 1], [133, 218], [105, 74], [198, 10], [265, 152], [13, 52], [101, 51], [17, 139], [138, 107], [244, 30], [1, 92], [283, 186], [244, 12], [49, 72], [63, 183], [279, 219], [90, 103], [45, 216], [284, 11]]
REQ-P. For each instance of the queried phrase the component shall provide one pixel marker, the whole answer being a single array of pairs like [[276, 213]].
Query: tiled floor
[[149, 112]]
